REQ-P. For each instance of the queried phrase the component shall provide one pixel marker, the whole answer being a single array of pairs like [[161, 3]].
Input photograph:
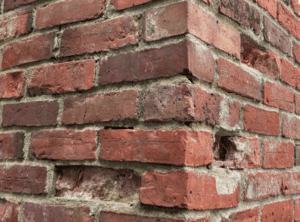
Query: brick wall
[[150, 110]]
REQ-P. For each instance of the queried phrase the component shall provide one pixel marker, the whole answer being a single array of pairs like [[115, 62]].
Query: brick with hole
[[269, 6], [64, 145], [101, 36], [262, 185], [23, 179], [278, 211], [176, 147], [9, 5], [290, 183], [296, 52], [61, 78], [9, 211], [290, 74], [249, 215], [297, 210], [12, 85], [290, 127], [11, 145], [278, 155]]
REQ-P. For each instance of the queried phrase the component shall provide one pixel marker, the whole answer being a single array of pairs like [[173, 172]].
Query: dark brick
[[11, 145]]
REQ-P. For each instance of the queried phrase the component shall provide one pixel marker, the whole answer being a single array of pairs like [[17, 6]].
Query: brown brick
[[9, 211], [9, 4], [32, 49], [12, 85], [30, 114], [114, 106], [251, 215], [262, 185], [64, 144], [11, 145], [97, 183], [279, 211], [23, 179], [61, 78], [269, 6], [290, 183], [291, 127], [290, 74], [101, 36], [296, 52]]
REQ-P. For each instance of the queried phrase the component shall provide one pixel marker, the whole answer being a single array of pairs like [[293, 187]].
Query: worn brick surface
[[290, 74], [123, 4], [290, 127], [9, 211], [230, 114], [290, 183], [251, 215], [296, 52], [12, 85], [9, 5], [269, 6], [297, 210], [11, 145], [296, 7], [278, 211]]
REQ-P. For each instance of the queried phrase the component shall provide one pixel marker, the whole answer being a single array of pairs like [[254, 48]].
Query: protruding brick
[[23, 179], [61, 78], [12, 85], [15, 25], [290, 183], [230, 114], [32, 49], [277, 37], [102, 36], [36, 212], [97, 183], [30, 114], [278, 96], [11, 145], [296, 7], [269, 6], [9, 211], [180, 147], [9, 4], [251, 215], [278, 154], [290, 74], [291, 127], [64, 144], [187, 189], [261, 121], [262, 185], [279, 211], [63, 12], [296, 52], [297, 210], [114, 106], [234, 79], [242, 12]]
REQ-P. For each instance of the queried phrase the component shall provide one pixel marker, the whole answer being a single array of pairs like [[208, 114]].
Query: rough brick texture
[[290, 74], [296, 52], [9, 211], [245, 215], [9, 5], [290, 127], [290, 183], [279, 211], [11, 145], [297, 210], [269, 6], [12, 85]]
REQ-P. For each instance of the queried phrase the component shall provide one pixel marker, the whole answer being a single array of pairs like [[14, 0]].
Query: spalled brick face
[[12, 85], [9, 211], [245, 215]]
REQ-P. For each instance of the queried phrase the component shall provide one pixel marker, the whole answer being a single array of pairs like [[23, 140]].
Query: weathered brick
[[262, 185], [241, 12], [230, 114], [30, 114], [232, 78], [61, 78], [279, 211], [291, 127], [288, 20], [261, 121], [101, 107], [297, 104], [166, 61], [259, 58], [297, 154], [9, 211], [9, 5], [32, 49], [297, 210], [23, 179], [97, 183], [64, 144], [11, 145], [182, 103], [296, 7], [278, 154], [187, 189], [15, 25], [290, 183], [12, 85], [36, 212], [277, 37], [251, 215], [269, 6], [290, 74], [278, 96], [296, 52], [102, 36], [180, 147]]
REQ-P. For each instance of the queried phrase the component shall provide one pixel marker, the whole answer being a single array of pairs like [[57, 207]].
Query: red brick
[[61, 78], [166, 61], [29, 50], [296, 7], [290, 183], [230, 114], [297, 104], [279, 211], [278, 154], [123, 4], [297, 209], [23, 179], [9, 211], [250, 215], [68, 11], [278, 96], [12, 85], [259, 58], [97, 183], [234, 79], [9, 4], [269, 6], [177, 147], [296, 52], [102, 36], [186, 189], [262, 185], [288, 20], [261, 121], [30, 114], [277, 37], [36, 212], [200, 219], [182, 103], [241, 12], [291, 127], [290, 74], [101, 107], [64, 144], [11, 145], [15, 25]]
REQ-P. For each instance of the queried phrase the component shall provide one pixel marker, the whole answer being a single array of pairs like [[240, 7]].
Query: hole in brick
[[117, 127], [224, 151]]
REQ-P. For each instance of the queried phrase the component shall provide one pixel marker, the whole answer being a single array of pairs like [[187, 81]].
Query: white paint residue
[[226, 182]]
